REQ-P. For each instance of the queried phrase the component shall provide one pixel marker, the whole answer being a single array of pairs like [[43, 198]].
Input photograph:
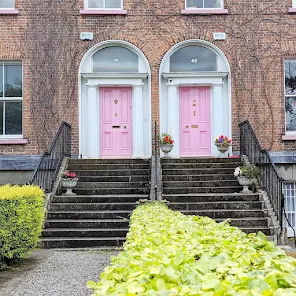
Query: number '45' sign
[[194, 61]]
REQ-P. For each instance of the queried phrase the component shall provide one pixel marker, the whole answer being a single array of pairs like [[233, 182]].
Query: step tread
[[80, 238], [94, 203], [211, 194], [242, 219], [104, 195], [84, 229], [87, 220], [213, 202], [220, 210], [84, 211]]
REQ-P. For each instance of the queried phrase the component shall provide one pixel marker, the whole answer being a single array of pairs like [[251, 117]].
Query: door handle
[[124, 126], [115, 126], [187, 126]]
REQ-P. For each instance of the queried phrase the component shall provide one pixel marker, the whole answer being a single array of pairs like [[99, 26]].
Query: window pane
[[290, 113], [1, 80], [193, 59], [290, 77], [1, 118], [113, 3], [194, 4], [213, 4], [115, 59], [95, 3], [13, 118], [7, 3], [13, 80]]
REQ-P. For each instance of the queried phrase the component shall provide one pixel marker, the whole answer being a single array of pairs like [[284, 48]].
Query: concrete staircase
[[107, 192], [207, 187]]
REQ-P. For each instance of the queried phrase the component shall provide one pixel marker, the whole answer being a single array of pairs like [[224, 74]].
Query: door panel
[[115, 122], [195, 127]]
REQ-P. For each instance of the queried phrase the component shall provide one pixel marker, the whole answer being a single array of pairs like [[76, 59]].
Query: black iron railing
[[50, 161], [270, 180], [155, 158]]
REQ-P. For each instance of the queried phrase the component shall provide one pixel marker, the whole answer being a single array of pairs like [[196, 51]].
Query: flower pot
[[245, 182], [69, 184], [166, 149], [222, 149]]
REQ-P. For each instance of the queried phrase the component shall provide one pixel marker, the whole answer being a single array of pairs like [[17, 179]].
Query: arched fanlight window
[[115, 59], [193, 58]]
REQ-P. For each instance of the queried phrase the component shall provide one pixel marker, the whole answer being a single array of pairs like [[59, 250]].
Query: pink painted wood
[[195, 122], [116, 122]]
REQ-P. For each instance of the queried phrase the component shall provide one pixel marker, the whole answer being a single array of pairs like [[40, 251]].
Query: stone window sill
[[289, 138], [204, 11], [103, 12], [9, 11], [14, 141], [292, 10]]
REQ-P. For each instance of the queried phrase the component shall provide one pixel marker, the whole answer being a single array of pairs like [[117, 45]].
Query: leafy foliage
[[168, 253], [249, 171], [21, 220]]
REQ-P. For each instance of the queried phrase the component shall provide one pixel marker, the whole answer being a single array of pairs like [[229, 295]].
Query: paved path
[[57, 273]]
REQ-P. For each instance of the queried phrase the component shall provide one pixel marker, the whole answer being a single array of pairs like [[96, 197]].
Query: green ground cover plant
[[21, 220], [168, 253]]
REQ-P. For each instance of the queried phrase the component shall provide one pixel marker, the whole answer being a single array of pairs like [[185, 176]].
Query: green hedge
[[21, 220], [167, 253]]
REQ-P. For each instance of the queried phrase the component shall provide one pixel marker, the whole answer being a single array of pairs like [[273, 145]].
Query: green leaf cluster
[[168, 253], [21, 220]]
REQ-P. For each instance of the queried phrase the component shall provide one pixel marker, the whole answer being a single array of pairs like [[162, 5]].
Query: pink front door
[[195, 128], [116, 122]]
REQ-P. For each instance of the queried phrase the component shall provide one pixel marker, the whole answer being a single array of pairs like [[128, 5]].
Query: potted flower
[[246, 176], [222, 143], [69, 181], [166, 143]]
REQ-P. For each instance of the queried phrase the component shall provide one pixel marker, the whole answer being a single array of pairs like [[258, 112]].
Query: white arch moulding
[[220, 95], [88, 90]]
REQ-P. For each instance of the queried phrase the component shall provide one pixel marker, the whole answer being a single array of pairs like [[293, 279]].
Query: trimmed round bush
[[168, 253], [21, 220]]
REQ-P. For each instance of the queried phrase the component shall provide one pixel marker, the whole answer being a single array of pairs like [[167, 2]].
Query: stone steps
[[93, 206], [209, 183], [106, 195], [195, 171], [207, 187], [99, 198], [201, 177], [79, 242], [210, 197]]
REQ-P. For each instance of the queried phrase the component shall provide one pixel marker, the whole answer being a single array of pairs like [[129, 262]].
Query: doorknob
[[124, 126], [186, 126]]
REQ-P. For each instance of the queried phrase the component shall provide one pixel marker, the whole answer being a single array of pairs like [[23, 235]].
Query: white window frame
[[206, 8], [10, 99], [288, 133], [288, 210], [8, 8], [293, 3], [103, 8]]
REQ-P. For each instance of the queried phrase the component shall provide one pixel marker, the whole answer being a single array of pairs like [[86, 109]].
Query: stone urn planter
[[245, 182], [222, 149], [166, 149], [69, 184]]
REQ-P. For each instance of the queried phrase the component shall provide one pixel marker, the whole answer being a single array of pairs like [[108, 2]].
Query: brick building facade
[[42, 38]]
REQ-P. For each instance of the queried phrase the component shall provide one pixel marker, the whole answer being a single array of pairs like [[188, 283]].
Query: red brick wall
[[46, 38]]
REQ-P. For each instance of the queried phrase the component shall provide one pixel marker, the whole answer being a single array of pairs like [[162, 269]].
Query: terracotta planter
[[69, 184], [166, 149], [245, 182], [222, 149]]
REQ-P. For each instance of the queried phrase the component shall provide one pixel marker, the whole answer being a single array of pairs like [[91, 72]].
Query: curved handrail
[[50, 161], [270, 180]]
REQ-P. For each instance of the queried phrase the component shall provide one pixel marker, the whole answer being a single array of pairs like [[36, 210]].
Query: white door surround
[[89, 84], [220, 103]]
